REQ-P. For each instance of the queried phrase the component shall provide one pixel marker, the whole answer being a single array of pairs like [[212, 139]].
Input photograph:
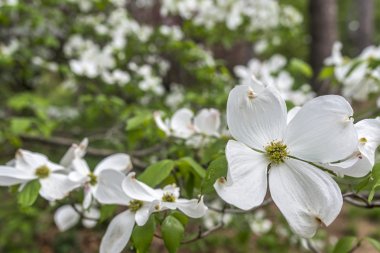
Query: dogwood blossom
[[67, 216], [142, 201], [94, 181], [183, 124], [268, 150], [363, 159], [28, 166]]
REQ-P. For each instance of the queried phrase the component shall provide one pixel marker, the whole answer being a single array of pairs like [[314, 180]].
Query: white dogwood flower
[[93, 181], [184, 125], [142, 201], [270, 151], [363, 159], [166, 198], [66, 217], [28, 166]]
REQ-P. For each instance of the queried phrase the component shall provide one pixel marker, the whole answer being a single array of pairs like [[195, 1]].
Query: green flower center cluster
[[168, 197], [93, 179], [276, 152], [42, 171], [135, 205]]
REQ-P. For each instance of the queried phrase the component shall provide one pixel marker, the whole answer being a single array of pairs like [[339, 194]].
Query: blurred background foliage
[[99, 69]]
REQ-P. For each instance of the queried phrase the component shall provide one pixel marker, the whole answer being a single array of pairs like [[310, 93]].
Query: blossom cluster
[[108, 183], [359, 76], [260, 15], [196, 130], [272, 72]]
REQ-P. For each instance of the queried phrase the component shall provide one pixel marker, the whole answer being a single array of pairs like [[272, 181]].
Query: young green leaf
[[172, 232], [217, 169], [156, 173], [374, 243], [345, 244], [142, 236], [193, 166], [29, 193]]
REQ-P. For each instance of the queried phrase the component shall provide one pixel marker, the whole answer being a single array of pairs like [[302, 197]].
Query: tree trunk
[[366, 23], [323, 31]]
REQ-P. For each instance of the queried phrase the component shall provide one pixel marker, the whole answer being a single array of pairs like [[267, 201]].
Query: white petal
[[192, 208], [29, 161], [256, 119], [120, 162], [356, 167], [56, 186], [118, 233], [109, 190], [138, 190], [246, 183], [87, 200], [66, 217], [207, 121], [160, 123], [81, 166], [368, 129], [292, 112], [322, 130], [305, 195], [142, 215], [12, 176], [75, 151], [92, 213], [181, 123]]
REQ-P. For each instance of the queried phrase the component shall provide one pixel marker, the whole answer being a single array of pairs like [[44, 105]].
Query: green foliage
[[156, 173], [216, 169], [29, 193], [142, 236], [345, 244], [172, 232], [194, 167]]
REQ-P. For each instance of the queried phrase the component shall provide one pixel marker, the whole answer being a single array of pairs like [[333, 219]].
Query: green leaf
[[156, 173], [20, 125], [299, 65], [193, 165], [29, 193], [217, 169], [345, 244], [181, 217], [374, 243], [138, 120], [142, 236], [326, 72], [375, 181], [107, 211], [172, 232]]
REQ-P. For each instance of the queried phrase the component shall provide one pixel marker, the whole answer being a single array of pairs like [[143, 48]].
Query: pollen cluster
[[276, 152], [168, 197], [42, 171], [93, 179], [135, 205]]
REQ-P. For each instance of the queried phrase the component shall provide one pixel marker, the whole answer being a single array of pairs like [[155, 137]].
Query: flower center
[[363, 140], [135, 205], [93, 179], [276, 152], [42, 172], [168, 197]]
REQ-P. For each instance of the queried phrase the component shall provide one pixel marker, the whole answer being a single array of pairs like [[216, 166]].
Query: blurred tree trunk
[[364, 34], [323, 31]]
